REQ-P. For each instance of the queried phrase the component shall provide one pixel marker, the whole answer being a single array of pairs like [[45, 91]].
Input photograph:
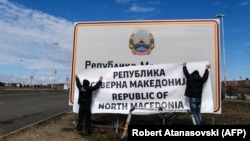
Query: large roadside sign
[[116, 44]]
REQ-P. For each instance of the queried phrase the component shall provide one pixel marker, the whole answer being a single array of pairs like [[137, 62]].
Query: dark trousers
[[84, 113], [195, 107]]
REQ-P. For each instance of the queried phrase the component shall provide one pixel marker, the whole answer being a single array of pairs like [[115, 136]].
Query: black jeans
[[84, 113]]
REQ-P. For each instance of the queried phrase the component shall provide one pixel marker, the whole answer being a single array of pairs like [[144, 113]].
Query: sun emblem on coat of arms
[[141, 42]]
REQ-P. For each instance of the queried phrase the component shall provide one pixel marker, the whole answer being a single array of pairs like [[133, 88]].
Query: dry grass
[[61, 128]]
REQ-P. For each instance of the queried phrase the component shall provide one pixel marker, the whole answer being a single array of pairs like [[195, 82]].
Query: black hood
[[85, 82], [196, 75]]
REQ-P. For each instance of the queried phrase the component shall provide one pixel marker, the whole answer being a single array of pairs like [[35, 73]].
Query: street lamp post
[[32, 76], [221, 16], [20, 71], [53, 71], [31, 79]]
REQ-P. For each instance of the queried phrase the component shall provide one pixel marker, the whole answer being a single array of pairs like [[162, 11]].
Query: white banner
[[150, 89]]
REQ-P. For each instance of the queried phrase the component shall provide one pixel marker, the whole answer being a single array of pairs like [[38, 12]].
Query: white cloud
[[123, 1], [29, 35], [136, 8], [244, 3]]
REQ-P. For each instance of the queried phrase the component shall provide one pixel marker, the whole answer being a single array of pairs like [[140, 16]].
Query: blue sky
[[36, 36]]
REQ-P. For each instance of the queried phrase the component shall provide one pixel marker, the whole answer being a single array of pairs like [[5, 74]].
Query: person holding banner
[[193, 91], [84, 101]]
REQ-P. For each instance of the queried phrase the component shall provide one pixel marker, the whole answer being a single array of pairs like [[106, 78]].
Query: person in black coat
[[84, 101], [194, 87]]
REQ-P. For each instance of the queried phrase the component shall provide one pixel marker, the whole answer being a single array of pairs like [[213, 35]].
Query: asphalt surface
[[23, 108]]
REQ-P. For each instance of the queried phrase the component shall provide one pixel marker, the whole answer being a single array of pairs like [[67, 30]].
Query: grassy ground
[[61, 128]]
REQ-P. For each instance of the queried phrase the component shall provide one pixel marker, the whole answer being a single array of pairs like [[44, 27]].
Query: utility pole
[[221, 16]]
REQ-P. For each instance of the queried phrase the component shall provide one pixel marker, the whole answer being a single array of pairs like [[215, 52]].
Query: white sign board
[[110, 45]]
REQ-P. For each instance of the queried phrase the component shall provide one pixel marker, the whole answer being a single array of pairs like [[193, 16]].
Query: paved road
[[25, 108]]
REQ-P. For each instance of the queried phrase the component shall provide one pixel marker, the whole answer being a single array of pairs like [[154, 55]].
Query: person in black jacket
[[194, 87], [84, 101]]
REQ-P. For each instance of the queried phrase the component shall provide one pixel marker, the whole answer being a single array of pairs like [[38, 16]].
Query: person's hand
[[184, 64], [208, 66], [100, 78]]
